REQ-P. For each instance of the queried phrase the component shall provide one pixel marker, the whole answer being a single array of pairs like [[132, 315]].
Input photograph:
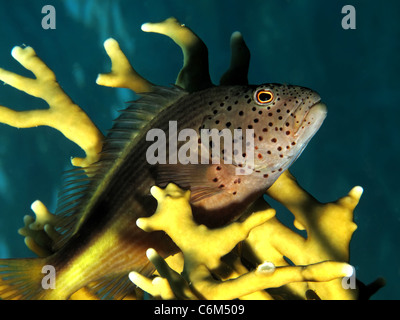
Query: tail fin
[[21, 279]]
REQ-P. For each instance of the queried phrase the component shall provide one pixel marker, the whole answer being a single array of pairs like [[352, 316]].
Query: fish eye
[[264, 96]]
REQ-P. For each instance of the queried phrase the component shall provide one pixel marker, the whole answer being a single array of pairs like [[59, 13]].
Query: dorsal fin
[[79, 186], [139, 113]]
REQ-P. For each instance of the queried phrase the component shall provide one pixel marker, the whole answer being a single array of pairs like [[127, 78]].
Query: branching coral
[[62, 115], [203, 249], [245, 259], [39, 233], [122, 74]]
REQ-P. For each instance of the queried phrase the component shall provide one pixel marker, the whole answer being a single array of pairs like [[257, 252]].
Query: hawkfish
[[99, 242]]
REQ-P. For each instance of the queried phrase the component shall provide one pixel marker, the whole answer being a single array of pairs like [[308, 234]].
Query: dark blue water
[[299, 42]]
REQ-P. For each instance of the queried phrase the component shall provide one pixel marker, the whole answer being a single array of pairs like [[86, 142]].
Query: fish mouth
[[311, 123], [309, 118], [315, 115]]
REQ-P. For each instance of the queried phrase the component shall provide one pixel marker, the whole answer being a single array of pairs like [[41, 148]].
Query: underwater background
[[300, 42]]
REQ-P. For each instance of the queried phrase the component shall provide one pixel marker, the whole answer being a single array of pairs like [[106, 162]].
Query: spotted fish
[[99, 241]]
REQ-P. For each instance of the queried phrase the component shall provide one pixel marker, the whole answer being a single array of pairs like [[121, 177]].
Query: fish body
[[100, 242]]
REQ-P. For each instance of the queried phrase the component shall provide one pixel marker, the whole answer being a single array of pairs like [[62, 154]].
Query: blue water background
[[299, 42]]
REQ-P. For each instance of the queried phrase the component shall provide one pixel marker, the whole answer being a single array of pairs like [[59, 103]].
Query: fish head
[[287, 118], [281, 120]]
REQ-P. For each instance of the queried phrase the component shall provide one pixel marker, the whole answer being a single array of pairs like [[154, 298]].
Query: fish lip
[[317, 102], [319, 111]]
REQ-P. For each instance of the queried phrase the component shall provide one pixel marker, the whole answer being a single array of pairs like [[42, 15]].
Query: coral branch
[[62, 115], [202, 257], [240, 61], [170, 284], [194, 74], [122, 74], [192, 243], [268, 276], [329, 226], [39, 233], [329, 230]]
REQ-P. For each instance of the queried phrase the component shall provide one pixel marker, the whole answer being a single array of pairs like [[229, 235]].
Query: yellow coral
[[39, 233], [122, 74], [194, 74], [329, 230], [62, 115], [203, 249]]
